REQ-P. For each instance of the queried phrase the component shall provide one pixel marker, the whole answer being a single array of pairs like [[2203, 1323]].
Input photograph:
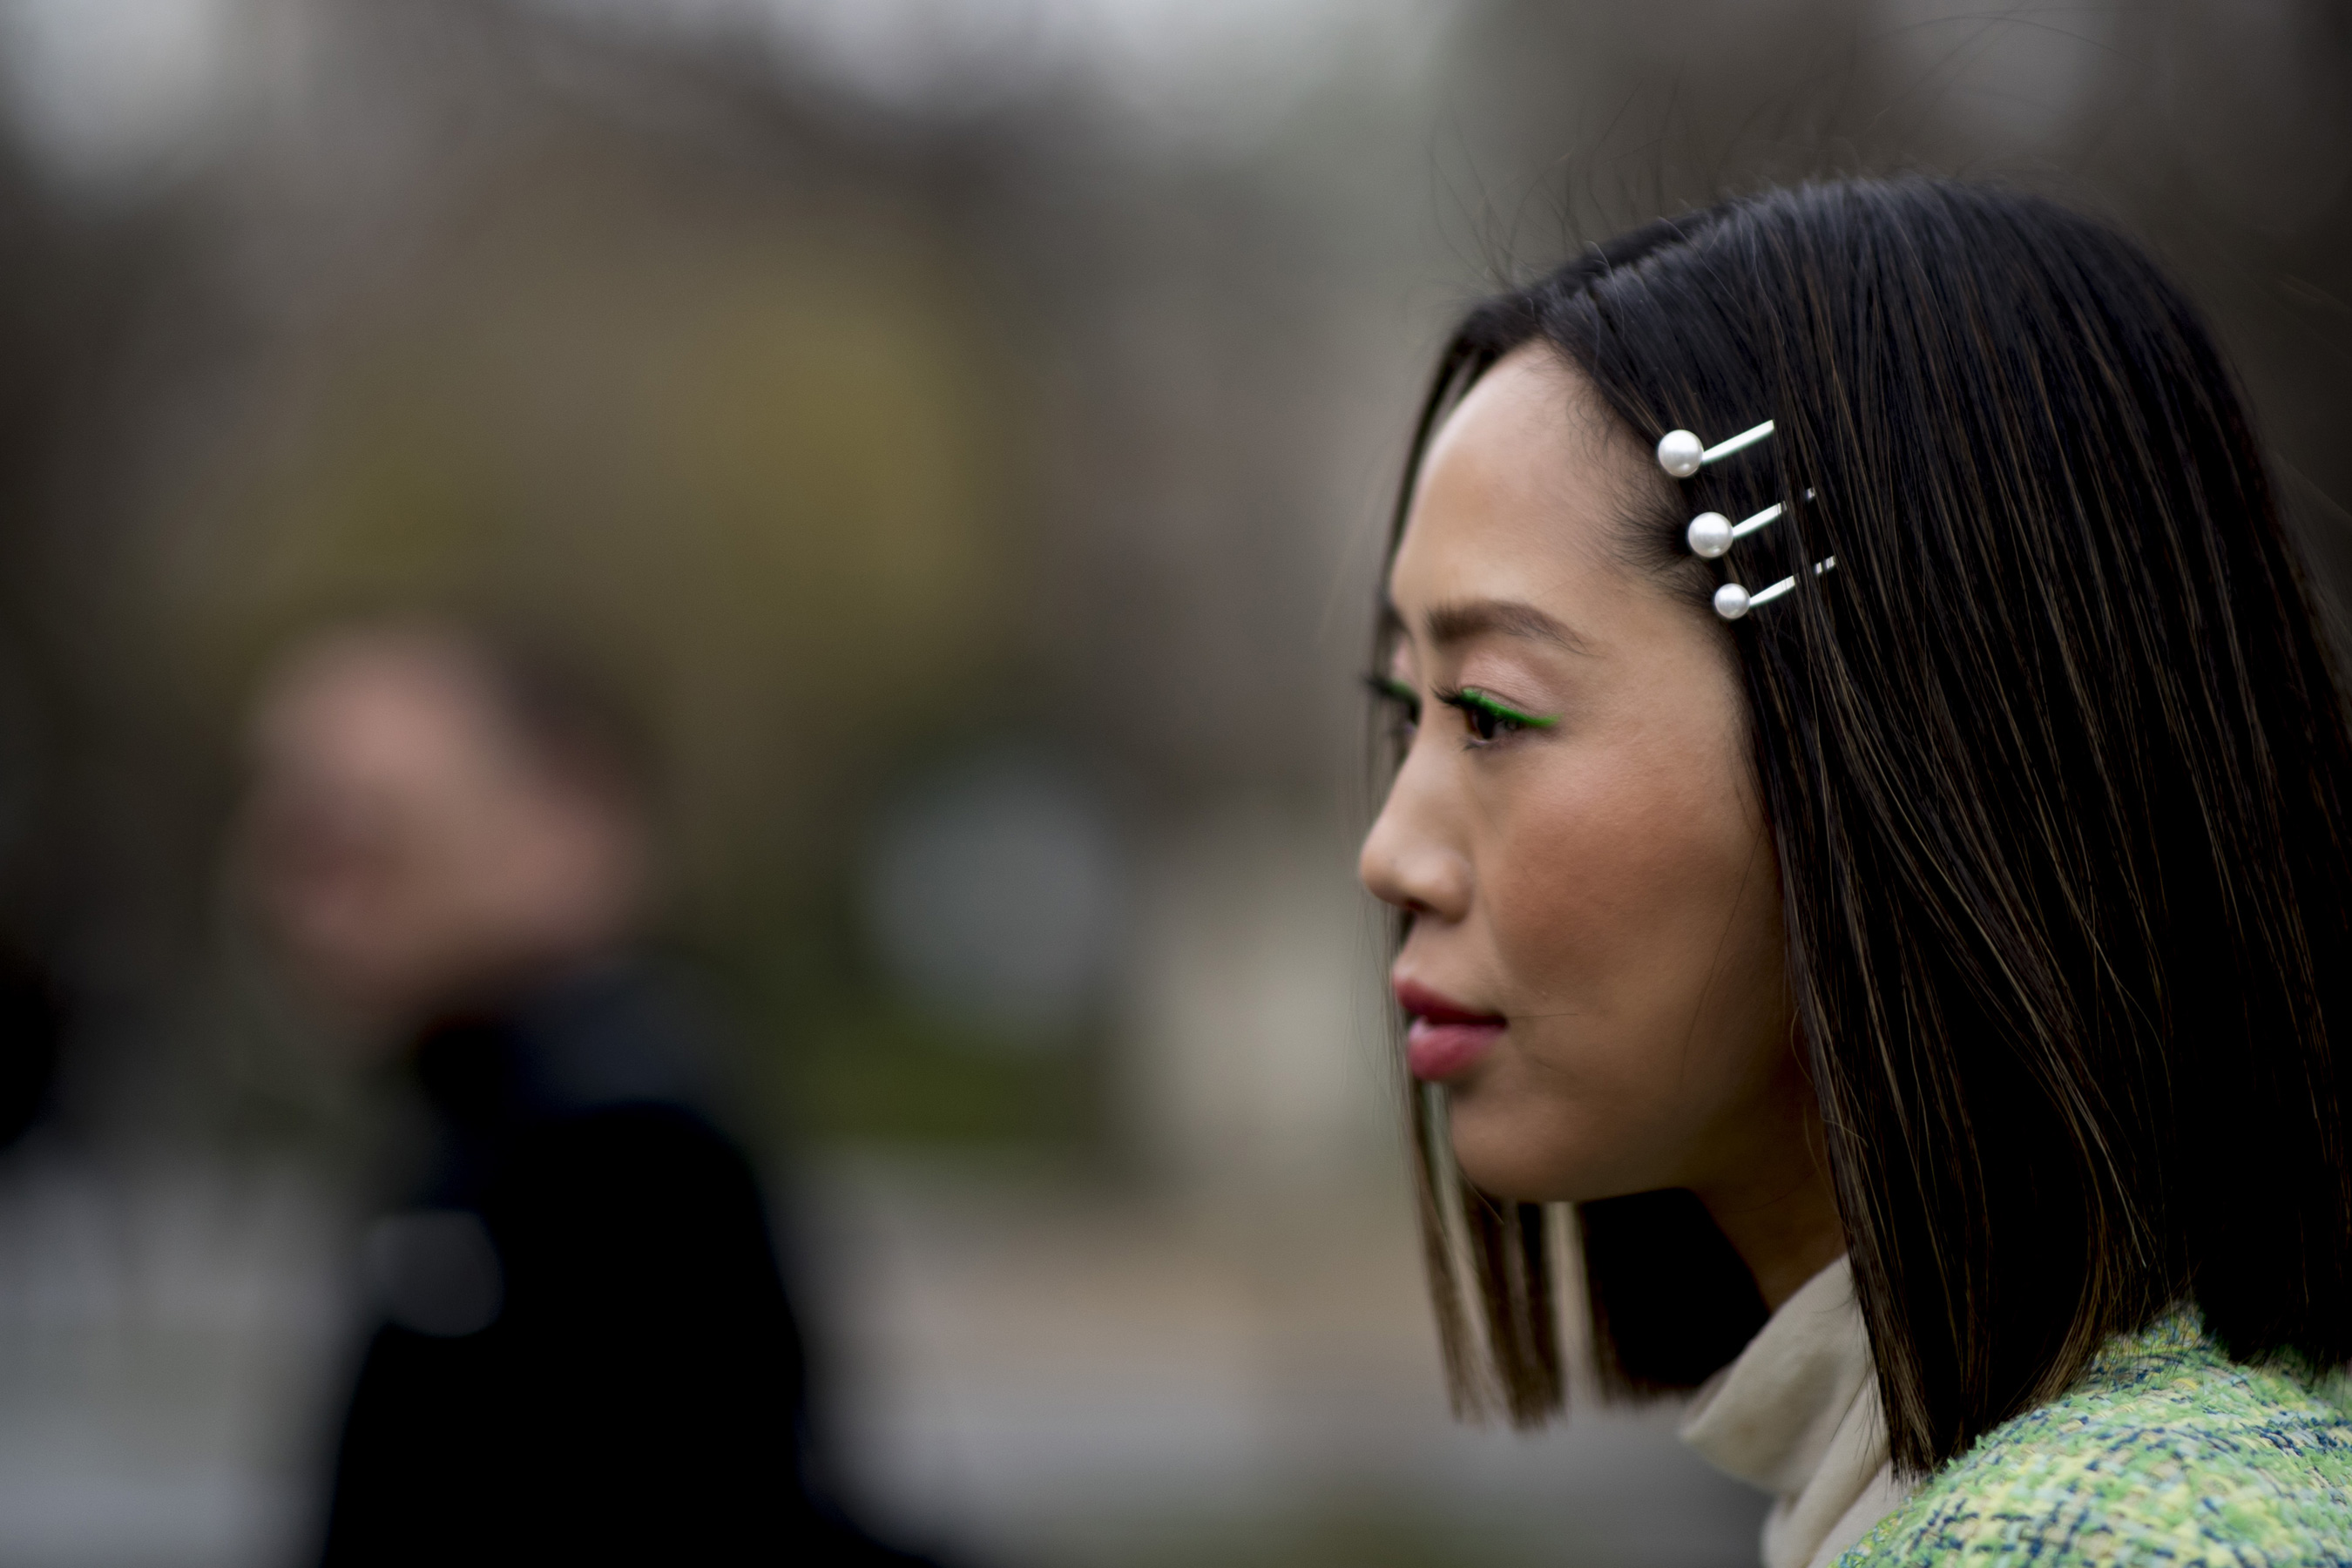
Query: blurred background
[[963, 428]]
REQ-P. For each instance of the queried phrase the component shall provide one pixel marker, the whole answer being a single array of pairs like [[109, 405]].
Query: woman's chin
[[1503, 1164], [1508, 1148]]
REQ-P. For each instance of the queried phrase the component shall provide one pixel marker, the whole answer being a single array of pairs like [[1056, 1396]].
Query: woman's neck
[[1785, 1238], [1776, 1203]]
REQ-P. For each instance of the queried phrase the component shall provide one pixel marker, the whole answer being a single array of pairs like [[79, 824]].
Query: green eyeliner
[[1485, 702]]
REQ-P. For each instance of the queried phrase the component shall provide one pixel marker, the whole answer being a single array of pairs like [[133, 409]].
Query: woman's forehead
[[1519, 496]]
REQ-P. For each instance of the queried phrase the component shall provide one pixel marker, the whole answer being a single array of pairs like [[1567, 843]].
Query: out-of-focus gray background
[[967, 425]]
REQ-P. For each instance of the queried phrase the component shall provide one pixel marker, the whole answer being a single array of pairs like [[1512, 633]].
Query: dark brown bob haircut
[[2054, 765]]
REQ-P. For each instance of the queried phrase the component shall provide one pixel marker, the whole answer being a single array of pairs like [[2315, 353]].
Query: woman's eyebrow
[[1459, 623]]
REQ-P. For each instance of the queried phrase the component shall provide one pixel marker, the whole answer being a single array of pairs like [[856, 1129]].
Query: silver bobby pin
[[1732, 600], [1711, 534], [1680, 454]]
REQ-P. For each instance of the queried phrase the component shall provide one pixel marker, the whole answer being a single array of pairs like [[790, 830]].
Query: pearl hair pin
[[1711, 534], [1732, 600], [1680, 454]]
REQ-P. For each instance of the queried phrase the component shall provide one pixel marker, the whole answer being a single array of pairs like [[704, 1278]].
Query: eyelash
[[1488, 720]]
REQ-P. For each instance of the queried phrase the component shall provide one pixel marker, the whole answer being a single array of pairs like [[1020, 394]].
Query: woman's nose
[[1407, 861]]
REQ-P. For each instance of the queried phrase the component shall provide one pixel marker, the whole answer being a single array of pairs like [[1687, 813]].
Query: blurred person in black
[[586, 1349]]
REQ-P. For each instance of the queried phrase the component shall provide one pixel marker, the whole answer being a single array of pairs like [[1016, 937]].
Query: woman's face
[[1594, 960]]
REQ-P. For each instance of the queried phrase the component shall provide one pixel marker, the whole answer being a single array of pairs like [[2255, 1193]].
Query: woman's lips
[[1445, 1037]]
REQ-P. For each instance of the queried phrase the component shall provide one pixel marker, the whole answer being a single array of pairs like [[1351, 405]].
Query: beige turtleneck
[[1797, 1414]]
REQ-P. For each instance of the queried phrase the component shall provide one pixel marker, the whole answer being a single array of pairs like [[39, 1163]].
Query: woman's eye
[[1487, 725], [1488, 719]]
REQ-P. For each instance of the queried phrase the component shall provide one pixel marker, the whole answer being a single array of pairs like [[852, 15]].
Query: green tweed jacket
[[2165, 1452]]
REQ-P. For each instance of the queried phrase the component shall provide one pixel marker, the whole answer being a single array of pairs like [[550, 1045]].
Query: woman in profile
[[1870, 833]]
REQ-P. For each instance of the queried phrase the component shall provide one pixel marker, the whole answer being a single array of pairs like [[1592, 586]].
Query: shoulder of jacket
[[2166, 1451]]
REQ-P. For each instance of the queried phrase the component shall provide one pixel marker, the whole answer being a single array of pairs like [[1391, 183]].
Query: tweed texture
[[2165, 1452]]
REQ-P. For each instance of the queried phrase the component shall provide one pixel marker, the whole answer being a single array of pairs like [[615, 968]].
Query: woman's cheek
[[1578, 888], [1566, 1114]]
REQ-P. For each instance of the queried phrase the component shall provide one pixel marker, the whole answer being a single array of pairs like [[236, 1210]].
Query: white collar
[[1797, 1414]]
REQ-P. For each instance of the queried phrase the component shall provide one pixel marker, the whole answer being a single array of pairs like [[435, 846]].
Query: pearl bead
[[1709, 534], [1731, 601], [1680, 453]]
